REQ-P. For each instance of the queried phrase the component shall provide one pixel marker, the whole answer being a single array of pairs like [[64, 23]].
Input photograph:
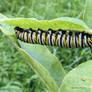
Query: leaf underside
[[52, 78]]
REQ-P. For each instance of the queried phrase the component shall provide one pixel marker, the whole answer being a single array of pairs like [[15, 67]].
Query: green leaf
[[79, 79], [41, 71], [88, 13], [64, 23], [49, 69], [36, 66], [45, 58]]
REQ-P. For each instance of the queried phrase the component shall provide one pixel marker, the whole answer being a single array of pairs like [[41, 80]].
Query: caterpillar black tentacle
[[67, 39]]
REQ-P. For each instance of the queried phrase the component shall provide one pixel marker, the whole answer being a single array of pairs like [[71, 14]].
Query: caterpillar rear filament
[[66, 39]]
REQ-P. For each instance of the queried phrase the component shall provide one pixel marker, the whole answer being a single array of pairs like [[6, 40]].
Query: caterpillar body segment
[[65, 39]]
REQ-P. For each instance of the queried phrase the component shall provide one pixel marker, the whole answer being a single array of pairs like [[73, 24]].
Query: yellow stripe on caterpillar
[[66, 39]]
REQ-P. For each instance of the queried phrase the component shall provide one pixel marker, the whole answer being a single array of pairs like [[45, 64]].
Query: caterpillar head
[[17, 30]]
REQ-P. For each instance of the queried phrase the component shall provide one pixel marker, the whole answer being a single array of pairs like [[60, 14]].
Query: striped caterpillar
[[66, 39]]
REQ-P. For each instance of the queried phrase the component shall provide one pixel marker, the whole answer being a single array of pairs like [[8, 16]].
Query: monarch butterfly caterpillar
[[67, 39]]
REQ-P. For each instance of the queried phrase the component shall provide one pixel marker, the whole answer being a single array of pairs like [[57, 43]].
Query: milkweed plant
[[23, 31]]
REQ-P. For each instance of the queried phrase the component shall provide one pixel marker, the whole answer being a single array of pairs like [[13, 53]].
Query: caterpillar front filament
[[67, 39]]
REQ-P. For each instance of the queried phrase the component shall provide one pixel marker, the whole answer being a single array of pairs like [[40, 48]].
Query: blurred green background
[[14, 72]]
